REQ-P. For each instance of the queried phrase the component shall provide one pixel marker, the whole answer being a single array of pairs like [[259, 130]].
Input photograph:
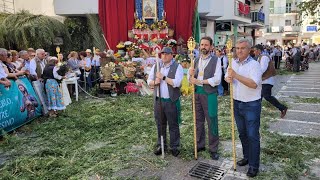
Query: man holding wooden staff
[[167, 107], [246, 76], [206, 76]]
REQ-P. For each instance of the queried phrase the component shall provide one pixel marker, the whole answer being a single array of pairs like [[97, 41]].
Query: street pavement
[[302, 119]]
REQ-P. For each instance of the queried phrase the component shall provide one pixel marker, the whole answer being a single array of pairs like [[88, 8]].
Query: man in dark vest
[[37, 65], [296, 55], [268, 79], [169, 79], [206, 76]]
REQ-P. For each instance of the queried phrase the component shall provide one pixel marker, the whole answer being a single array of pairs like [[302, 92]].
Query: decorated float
[[134, 57]]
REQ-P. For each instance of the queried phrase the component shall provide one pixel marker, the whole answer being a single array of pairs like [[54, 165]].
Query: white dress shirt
[[294, 51], [55, 74], [88, 62], [251, 69], [3, 74], [96, 60], [216, 79], [82, 63], [163, 85], [225, 63], [264, 63], [33, 66]]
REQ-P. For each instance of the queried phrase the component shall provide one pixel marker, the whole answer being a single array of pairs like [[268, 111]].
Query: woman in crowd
[[73, 62], [18, 63], [82, 65], [10, 69], [54, 93], [85, 68]]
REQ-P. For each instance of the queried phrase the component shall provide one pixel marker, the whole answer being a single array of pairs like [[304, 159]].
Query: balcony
[[241, 9], [283, 10], [257, 17], [291, 29]]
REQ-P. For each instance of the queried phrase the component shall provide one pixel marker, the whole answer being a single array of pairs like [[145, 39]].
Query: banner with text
[[19, 104]]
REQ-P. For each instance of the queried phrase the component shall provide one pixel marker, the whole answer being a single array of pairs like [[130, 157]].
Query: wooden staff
[[105, 40], [161, 116], [230, 56], [191, 46]]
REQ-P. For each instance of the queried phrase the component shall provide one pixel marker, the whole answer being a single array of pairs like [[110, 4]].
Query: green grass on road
[[100, 138]]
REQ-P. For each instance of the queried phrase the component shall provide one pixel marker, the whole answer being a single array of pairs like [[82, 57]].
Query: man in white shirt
[[268, 81], [223, 86], [246, 77], [296, 55], [95, 65], [24, 55], [37, 64], [206, 76], [88, 68], [3, 74], [276, 53], [169, 79]]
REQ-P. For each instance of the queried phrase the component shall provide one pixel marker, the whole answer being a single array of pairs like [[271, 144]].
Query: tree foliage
[[96, 31], [23, 30], [310, 8], [79, 32]]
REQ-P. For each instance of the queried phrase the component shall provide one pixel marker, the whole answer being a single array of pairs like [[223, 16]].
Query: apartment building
[[285, 24], [233, 18]]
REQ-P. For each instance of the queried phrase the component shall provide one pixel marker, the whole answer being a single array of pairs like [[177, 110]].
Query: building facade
[[285, 27], [233, 19]]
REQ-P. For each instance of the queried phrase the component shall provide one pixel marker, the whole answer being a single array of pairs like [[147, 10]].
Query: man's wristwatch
[[164, 78]]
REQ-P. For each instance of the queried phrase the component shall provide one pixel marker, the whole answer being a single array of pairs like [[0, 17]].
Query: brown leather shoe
[[283, 113]]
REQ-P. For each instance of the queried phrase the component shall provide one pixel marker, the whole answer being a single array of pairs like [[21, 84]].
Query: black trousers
[[277, 61], [166, 116], [266, 94]]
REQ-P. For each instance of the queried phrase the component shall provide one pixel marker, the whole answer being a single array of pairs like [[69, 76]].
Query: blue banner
[[19, 104]]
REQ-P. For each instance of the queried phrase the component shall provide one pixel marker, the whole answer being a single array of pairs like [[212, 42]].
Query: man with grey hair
[[246, 75], [3, 74], [37, 64], [24, 58]]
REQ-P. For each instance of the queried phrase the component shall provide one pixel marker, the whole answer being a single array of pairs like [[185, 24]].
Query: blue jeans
[[220, 89], [247, 116]]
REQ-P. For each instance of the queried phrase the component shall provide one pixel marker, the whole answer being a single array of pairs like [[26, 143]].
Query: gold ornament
[[229, 44], [58, 52], [191, 44]]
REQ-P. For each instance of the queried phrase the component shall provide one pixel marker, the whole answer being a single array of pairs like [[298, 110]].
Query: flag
[[196, 25]]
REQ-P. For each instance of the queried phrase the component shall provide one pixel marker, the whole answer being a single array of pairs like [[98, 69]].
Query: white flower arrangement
[[172, 42], [127, 43]]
